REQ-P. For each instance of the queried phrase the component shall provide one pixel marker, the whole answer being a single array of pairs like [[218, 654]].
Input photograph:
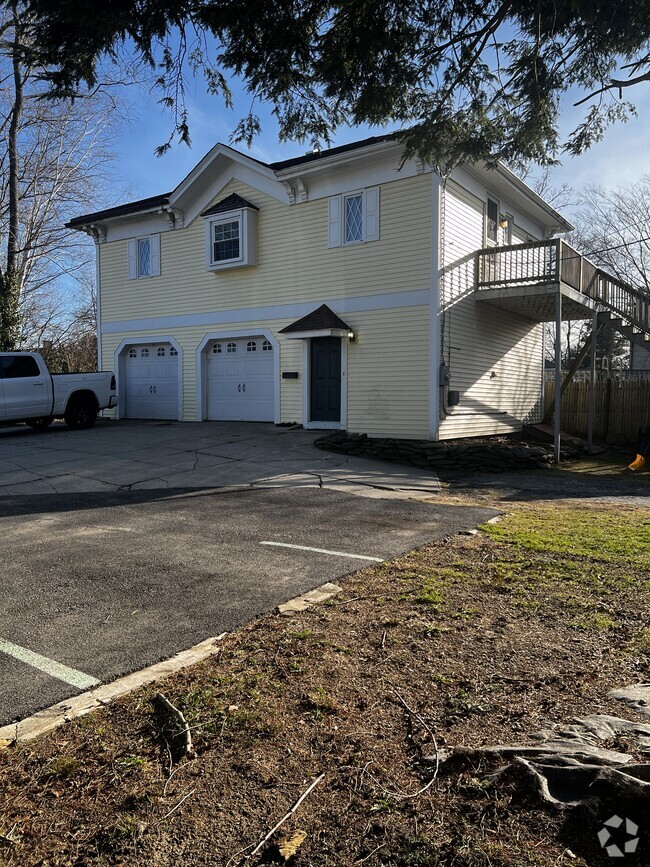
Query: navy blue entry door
[[325, 384]]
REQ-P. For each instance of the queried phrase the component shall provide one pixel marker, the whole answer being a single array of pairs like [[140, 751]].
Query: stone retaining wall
[[485, 456]]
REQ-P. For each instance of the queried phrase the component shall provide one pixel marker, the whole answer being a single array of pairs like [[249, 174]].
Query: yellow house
[[336, 290]]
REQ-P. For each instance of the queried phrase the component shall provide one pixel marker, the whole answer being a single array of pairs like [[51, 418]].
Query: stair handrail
[[618, 296]]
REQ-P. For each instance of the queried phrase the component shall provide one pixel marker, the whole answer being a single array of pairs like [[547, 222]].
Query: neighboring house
[[639, 357], [326, 290]]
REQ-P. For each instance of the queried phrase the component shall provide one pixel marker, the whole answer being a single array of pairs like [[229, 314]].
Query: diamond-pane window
[[353, 219], [144, 257], [225, 241]]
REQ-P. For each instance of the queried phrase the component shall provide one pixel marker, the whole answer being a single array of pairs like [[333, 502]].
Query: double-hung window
[[226, 241], [144, 256], [231, 237], [353, 218]]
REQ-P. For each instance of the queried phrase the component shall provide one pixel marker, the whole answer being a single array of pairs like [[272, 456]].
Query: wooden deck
[[527, 278]]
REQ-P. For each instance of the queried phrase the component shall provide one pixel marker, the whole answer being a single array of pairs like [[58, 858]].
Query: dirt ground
[[481, 639]]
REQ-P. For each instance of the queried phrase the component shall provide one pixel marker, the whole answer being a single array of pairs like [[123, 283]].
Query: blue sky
[[618, 160]]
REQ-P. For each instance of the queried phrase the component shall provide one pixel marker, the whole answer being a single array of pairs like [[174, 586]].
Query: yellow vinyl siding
[[189, 340], [494, 357], [388, 374], [387, 380], [294, 261], [387, 377]]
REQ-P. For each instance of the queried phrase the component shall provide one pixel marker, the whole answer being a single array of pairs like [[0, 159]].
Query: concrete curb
[[50, 718]]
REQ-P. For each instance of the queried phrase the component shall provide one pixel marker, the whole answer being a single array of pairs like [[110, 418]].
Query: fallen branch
[[286, 816], [433, 739], [174, 712]]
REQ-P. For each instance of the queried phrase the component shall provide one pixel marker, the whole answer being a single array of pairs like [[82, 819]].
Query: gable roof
[[143, 206], [272, 175], [313, 156], [318, 320], [233, 202]]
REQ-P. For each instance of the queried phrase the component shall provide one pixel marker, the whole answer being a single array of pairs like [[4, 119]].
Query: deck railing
[[545, 263]]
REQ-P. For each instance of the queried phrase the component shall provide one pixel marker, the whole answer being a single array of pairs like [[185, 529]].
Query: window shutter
[[371, 214], [334, 221], [154, 250], [133, 266]]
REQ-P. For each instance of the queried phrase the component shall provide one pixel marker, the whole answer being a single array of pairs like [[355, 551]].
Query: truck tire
[[40, 423], [81, 413]]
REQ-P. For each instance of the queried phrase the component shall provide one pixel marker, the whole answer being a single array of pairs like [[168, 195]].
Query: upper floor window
[[225, 241], [231, 237], [353, 218], [492, 222], [144, 257]]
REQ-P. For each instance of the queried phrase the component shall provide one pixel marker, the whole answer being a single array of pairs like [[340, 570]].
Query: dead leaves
[[289, 846]]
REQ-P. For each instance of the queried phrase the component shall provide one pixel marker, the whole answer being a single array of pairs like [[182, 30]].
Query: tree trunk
[[10, 280]]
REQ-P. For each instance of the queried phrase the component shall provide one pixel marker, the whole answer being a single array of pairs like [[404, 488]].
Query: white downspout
[[434, 310]]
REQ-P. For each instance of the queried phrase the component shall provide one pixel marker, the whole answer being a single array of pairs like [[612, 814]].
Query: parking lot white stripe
[[55, 669], [324, 551]]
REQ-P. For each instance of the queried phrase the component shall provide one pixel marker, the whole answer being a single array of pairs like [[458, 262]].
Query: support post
[[558, 375], [592, 384]]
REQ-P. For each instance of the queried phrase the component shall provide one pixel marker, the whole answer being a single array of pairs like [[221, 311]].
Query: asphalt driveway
[[160, 540]]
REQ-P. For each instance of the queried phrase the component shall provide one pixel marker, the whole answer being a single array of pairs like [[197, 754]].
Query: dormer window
[[231, 234]]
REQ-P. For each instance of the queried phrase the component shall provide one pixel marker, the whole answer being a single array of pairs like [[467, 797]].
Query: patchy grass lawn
[[482, 639]]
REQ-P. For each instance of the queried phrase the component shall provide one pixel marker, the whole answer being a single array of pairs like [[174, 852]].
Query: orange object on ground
[[637, 464]]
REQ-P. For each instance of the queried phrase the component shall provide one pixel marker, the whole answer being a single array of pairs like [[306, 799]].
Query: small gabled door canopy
[[322, 322]]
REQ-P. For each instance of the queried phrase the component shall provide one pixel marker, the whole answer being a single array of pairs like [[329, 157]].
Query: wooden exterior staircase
[[528, 277]]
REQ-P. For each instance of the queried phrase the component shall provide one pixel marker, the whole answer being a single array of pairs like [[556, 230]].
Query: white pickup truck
[[30, 394]]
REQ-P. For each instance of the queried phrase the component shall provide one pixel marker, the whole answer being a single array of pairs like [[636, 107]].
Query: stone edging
[[44, 721], [458, 455]]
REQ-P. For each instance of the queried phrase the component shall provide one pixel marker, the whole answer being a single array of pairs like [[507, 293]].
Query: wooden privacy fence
[[621, 408]]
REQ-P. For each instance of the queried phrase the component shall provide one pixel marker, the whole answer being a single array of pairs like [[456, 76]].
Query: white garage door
[[240, 379], [151, 373]]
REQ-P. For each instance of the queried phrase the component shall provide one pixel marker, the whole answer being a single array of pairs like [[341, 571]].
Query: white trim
[[341, 306], [98, 302], [322, 332], [120, 356], [201, 389], [328, 162], [434, 309], [306, 389], [219, 150]]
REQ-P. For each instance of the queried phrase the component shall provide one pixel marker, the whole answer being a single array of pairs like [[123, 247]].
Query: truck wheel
[[80, 414], [40, 423]]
